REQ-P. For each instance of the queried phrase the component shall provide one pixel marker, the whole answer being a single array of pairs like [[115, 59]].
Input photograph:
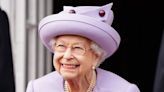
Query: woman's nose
[[68, 54]]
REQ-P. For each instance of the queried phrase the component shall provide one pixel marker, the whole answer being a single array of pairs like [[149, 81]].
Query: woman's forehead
[[73, 38]]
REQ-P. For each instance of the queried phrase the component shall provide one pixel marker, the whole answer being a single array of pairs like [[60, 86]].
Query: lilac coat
[[106, 82]]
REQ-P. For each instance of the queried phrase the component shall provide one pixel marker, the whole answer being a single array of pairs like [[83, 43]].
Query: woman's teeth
[[70, 65]]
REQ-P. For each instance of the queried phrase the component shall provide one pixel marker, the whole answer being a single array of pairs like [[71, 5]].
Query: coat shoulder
[[48, 83], [111, 82]]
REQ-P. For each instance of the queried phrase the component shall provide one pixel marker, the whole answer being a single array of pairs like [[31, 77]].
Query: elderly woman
[[81, 38]]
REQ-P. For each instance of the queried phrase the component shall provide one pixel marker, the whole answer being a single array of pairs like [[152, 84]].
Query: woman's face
[[73, 57]]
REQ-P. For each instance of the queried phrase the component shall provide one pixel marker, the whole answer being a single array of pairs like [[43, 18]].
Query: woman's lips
[[70, 66]]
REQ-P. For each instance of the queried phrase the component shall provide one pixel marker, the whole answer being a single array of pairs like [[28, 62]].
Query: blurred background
[[139, 59]]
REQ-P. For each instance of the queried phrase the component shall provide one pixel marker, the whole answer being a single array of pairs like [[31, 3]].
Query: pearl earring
[[93, 67]]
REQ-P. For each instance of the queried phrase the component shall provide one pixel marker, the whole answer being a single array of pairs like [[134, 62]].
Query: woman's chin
[[69, 76]]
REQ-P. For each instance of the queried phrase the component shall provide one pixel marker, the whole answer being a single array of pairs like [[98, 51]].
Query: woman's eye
[[60, 45], [78, 47]]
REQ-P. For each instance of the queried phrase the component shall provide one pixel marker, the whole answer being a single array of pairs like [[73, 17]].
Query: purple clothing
[[106, 82]]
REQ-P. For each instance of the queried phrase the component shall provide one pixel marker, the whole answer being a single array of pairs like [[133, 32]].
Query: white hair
[[99, 51], [95, 48]]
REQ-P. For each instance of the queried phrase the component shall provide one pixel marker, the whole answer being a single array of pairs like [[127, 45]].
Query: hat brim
[[63, 24]]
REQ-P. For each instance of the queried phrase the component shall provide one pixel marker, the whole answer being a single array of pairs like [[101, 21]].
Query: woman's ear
[[98, 56], [97, 60]]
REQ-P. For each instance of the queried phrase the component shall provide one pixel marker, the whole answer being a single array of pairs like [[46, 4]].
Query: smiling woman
[[80, 38], [73, 58]]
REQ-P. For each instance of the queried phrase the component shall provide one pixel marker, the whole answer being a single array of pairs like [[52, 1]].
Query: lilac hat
[[92, 22]]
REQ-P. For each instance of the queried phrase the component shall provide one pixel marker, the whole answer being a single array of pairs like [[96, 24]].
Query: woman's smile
[[70, 66]]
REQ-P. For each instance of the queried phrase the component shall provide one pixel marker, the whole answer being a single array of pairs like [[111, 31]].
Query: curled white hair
[[99, 51]]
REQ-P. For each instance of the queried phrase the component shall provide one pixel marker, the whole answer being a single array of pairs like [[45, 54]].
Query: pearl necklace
[[91, 85]]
